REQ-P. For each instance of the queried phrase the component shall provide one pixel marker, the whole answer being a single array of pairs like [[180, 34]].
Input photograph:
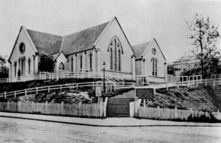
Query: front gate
[[118, 107]]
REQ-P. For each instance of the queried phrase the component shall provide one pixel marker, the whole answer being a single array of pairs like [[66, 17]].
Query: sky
[[141, 20]]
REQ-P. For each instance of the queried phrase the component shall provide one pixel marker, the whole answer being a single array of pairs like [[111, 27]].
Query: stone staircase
[[118, 106]]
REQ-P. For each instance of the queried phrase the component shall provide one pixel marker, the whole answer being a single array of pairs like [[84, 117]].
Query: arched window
[[91, 60], [115, 50], [154, 66], [111, 59], [72, 66], [29, 65], [61, 66], [152, 61], [15, 68], [23, 59], [81, 62], [119, 60]]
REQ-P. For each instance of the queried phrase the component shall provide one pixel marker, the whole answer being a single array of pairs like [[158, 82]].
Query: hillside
[[36, 83], [200, 98]]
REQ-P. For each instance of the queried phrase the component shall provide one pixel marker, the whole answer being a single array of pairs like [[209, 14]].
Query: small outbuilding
[[151, 66]]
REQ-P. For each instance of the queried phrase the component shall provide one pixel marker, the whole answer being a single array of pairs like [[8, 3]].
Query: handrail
[[61, 86], [197, 82]]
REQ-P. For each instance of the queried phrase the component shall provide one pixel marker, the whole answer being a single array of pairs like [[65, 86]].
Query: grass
[[199, 98], [35, 83]]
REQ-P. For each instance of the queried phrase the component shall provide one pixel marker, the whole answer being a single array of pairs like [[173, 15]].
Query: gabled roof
[[73, 43], [140, 49], [2, 59], [69, 44], [83, 40], [45, 42]]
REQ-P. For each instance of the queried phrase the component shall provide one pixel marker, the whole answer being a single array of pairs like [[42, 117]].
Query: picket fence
[[79, 110], [163, 113]]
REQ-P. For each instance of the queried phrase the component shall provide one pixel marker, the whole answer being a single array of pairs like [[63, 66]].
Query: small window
[[22, 47], [61, 66], [72, 66], [29, 65], [111, 59], [119, 60], [81, 62], [91, 56], [154, 66], [15, 68]]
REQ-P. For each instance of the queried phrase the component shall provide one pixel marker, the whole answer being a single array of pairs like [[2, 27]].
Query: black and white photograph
[[110, 71]]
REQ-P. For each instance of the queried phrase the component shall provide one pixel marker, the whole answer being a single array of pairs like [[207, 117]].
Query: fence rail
[[211, 82], [73, 86], [165, 114], [81, 110]]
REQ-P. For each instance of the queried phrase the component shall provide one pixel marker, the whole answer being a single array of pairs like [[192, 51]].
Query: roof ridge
[[143, 43], [43, 32], [86, 29], [62, 42]]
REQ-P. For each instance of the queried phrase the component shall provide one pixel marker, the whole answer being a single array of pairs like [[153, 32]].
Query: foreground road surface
[[29, 131]]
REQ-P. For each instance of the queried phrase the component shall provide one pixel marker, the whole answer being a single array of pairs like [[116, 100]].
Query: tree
[[204, 36], [3, 68], [46, 63], [171, 69]]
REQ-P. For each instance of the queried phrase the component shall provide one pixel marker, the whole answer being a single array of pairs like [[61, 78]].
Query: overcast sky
[[142, 20]]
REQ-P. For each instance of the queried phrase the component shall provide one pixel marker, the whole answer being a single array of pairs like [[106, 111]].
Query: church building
[[83, 53], [151, 66]]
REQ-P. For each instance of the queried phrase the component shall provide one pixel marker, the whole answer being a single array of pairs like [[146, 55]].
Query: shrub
[[46, 63], [206, 117]]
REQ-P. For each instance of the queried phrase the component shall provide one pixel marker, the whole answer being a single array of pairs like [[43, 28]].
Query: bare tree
[[204, 35]]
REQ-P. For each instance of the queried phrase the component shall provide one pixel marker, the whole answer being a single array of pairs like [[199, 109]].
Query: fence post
[[144, 102], [80, 108], [5, 94], [93, 86], [19, 106], [48, 89], [101, 106], [158, 112], [214, 84], [8, 105], [136, 105], [105, 106], [132, 109], [32, 106], [25, 92], [36, 90], [15, 94], [175, 110], [62, 108], [46, 107]]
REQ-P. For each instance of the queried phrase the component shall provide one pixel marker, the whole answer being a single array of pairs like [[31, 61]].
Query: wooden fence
[[79, 110], [110, 86], [163, 113]]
